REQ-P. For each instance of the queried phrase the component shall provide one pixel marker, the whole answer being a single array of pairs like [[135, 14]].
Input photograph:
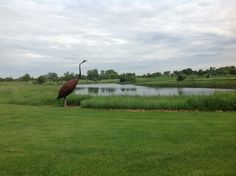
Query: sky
[[142, 36]]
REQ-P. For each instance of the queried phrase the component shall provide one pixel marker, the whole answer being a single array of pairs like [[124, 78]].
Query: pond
[[132, 90]]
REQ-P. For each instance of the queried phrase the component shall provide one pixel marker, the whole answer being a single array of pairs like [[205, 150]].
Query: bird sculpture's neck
[[79, 71]]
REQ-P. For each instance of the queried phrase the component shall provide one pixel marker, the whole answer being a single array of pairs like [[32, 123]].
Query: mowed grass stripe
[[41, 140]]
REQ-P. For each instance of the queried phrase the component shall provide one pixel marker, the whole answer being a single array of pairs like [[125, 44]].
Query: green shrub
[[181, 77]]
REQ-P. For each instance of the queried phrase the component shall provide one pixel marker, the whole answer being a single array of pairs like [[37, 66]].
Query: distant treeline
[[95, 75]]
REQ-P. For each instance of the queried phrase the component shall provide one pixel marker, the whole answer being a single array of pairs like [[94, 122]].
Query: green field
[[39, 137], [44, 140], [190, 81]]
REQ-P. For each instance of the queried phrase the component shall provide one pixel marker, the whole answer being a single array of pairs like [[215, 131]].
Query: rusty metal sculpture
[[69, 86]]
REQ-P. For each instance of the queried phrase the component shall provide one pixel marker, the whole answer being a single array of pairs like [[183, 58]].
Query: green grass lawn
[[49, 140]]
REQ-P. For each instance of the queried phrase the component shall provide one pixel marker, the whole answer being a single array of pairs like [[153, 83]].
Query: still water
[[131, 90]]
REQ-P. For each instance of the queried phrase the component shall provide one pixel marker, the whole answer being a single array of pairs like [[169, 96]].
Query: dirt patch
[[139, 110], [151, 110]]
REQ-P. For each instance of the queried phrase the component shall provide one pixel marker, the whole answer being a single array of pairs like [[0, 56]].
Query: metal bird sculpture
[[69, 86]]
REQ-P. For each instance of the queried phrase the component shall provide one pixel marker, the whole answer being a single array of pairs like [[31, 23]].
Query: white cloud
[[34, 55]]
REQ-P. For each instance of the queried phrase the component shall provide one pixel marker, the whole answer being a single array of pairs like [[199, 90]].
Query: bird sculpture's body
[[69, 86]]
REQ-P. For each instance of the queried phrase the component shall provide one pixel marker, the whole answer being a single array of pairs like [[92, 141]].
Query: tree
[[111, 74], [226, 70], [9, 79], [187, 71], [51, 76], [127, 77], [102, 74], [108, 74], [200, 72], [68, 76], [211, 71], [176, 73], [41, 79], [232, 70], [82, 76], [167, 73], [181, 77], [156, 74], [152, 75], [25, 77], [92, 74]]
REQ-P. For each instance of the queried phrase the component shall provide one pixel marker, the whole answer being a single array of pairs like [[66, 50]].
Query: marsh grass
[[136, 102], [29, 94], [217, 101]]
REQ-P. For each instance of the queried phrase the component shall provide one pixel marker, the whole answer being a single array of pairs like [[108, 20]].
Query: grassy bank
[[43, 140], [227, 82], [29, 94], [167, 81]]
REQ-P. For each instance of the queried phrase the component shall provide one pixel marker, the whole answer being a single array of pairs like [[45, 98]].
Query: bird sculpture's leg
[[65, 105]]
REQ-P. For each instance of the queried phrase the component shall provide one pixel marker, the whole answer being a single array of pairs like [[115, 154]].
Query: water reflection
[[110, 90], [128, 89], [131, 90], [180, 91], [93, 90]]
